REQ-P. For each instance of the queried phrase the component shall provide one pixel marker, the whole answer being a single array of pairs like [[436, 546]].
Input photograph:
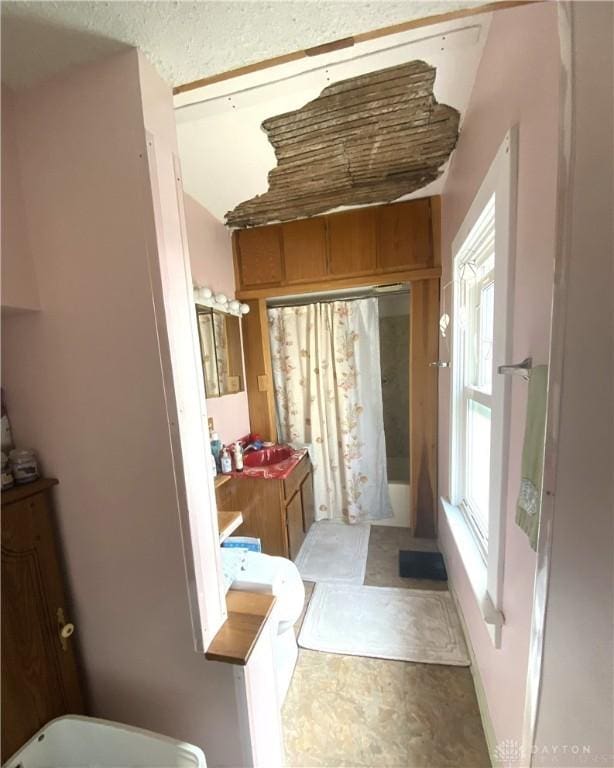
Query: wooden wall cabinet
[[278, 512], [258, 259], [404, 236], [352, 243], [395, 242], [304, 250], [39, 671]]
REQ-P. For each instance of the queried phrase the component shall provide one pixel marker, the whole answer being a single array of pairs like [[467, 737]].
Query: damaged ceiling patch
[[368, 139]]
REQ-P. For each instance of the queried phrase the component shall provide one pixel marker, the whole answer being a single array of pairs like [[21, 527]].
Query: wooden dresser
[[40, 680]]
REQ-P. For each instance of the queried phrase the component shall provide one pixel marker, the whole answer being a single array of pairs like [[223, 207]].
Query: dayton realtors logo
[[510, 754]]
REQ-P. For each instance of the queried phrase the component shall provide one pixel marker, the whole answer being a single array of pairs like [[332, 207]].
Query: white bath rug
[[384, 623], [334, 552]]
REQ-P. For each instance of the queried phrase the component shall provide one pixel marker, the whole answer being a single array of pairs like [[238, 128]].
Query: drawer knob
[[65, 629]]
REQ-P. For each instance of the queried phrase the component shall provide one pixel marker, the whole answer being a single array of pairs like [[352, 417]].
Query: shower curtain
[[326, 373]]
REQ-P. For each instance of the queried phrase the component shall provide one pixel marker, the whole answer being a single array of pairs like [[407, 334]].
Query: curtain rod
[[301, 302]]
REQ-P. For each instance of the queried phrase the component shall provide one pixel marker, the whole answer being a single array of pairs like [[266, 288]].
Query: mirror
[[220, 349]]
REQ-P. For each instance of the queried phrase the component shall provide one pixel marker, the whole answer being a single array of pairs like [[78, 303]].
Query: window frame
[[470, 392], [501, 181]]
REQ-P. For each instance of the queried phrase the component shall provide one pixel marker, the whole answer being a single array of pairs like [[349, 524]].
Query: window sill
[[475, 568]]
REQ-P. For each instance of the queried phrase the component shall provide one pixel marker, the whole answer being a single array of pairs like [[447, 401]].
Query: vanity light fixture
[[218, 301]]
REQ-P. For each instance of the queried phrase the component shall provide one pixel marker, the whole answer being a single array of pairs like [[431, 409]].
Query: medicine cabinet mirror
[[220, 350]]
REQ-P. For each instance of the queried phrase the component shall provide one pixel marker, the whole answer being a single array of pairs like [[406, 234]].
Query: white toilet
[[279, 576]]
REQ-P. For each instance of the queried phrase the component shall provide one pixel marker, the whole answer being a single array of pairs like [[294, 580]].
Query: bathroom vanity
[[275, 499]]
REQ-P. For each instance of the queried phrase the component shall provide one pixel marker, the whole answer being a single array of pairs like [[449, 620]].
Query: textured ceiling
[[186, 40], [367, 139]]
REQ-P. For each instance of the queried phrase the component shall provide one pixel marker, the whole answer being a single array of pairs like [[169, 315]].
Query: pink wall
[[19, 289], [86, 387], [576, 704], [211, 260], [517, 83]]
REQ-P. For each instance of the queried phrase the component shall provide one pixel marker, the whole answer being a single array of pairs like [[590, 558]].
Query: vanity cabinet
[[307, 503], [294, 523], [277, 511]]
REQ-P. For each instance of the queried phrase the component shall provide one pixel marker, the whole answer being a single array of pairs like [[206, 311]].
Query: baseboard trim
[[489, 731]]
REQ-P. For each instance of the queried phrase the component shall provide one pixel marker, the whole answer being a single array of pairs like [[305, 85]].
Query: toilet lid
[[278, 575]]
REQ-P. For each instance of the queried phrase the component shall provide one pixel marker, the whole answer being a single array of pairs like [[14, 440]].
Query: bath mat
[[422, 565], [384, 623], [334, 552]]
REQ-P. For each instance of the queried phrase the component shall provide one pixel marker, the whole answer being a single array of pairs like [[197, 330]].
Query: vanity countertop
[[280, 470]]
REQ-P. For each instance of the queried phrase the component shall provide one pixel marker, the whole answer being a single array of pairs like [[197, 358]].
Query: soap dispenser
[[226, 461]]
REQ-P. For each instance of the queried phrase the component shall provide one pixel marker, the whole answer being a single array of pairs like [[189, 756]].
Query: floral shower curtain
[[326, 372]]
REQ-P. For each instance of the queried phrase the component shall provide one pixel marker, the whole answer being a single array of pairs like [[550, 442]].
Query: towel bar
[[519, 369]]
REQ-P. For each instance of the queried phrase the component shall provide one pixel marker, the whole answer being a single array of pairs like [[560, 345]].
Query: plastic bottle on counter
[[225, 461], [238, 454]]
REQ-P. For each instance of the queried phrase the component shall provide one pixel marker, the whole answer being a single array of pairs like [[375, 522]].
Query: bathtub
[[399, 499], [85, 742], [399, 492]]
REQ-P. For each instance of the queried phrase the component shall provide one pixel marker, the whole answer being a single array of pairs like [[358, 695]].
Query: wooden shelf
[[237, 637], [228, 522]]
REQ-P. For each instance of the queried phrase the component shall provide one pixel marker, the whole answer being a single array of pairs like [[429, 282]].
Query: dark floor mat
[[422, 565]]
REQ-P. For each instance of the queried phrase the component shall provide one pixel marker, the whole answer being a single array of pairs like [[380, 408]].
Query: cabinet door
[[404, 235], [258, 254], [353, 242], [294, 521], [308, 502], [39, 674], [305, 250], [259, 501]]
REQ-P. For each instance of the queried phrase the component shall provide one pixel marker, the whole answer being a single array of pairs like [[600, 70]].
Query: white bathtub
[[85, 742], [399, 492], [399, 499]]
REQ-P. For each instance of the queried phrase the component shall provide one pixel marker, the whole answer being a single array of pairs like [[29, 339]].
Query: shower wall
[[394, 357]]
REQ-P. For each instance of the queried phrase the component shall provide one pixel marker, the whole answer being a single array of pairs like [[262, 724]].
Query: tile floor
[[353, 711]]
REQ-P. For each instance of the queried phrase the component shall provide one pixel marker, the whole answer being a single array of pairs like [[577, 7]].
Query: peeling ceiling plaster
[[186, 41], [368, 139]]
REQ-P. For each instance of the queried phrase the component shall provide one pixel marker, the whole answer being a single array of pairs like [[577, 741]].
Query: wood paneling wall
[[423, 401], [258, 372]]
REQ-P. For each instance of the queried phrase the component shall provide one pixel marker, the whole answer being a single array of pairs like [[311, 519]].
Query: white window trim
[[486, 574]]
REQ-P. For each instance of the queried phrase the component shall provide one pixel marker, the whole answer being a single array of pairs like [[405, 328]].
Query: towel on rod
[[529, 498]]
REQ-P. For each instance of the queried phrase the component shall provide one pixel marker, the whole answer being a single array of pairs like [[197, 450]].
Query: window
[[475, 277], [479, 396]]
